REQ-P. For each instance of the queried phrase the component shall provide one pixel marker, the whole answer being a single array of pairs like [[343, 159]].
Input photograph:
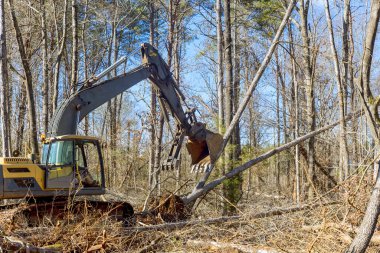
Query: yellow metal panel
[[15, 160], [34, 171], [60, 172]]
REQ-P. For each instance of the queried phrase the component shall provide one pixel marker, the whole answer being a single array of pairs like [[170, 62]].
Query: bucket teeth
[[201, 167]]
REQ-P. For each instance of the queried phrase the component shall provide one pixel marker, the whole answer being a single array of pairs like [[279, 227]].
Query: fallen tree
[[204, 189], [270, 213]]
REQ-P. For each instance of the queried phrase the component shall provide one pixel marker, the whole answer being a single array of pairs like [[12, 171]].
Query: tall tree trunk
[[4, 85], [173, 11], [85, 61], [220, 77], [45, 71], [229, 96], [28, 81], [153, 101], [296, 118], [220, 81], [74, 53], [278, 128], [177, 70], [62, 43], [310, 103], [354, 97], [343, 153], [238, 180]]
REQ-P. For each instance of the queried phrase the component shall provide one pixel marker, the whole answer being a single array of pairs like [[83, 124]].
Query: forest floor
[[322, 226]]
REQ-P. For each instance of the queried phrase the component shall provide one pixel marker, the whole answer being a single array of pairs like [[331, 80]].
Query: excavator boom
[[202, 143]]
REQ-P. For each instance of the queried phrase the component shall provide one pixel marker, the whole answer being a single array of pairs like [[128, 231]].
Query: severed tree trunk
[[343, 153], [5, 131], [28, 81]]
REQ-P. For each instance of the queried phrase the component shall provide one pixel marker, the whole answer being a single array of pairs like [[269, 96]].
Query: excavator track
[[35, 212]]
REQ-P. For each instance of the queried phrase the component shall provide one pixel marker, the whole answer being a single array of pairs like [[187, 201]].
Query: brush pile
[[319, 227]]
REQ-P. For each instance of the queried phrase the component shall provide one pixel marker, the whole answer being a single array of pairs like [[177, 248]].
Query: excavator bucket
[[204, 153]]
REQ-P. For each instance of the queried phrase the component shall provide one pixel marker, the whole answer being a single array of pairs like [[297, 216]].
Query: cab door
[[60, 168]]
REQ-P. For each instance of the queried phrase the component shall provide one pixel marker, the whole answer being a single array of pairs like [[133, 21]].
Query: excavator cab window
[[58, 158], [61, 154], [45, 150], [88, 163]]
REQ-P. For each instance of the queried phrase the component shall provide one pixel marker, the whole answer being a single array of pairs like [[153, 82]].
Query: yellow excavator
[[71, 164]]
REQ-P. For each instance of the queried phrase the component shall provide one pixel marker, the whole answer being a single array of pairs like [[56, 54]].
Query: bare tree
[[153, 101], [309, 87], [343, 154], [61, 41], [74, 52], [28, 81], [220, 81], [45, 71]]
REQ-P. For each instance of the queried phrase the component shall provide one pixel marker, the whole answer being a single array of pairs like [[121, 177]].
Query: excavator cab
[[73, 162]]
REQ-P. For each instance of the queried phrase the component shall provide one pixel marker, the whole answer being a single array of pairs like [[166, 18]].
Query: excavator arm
[[203, 145]]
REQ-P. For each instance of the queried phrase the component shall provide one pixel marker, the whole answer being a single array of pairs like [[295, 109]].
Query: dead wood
[[228, 247], [11, 244], [275, 212]]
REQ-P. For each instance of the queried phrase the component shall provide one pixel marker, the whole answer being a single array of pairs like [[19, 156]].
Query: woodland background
[[324, 68]]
